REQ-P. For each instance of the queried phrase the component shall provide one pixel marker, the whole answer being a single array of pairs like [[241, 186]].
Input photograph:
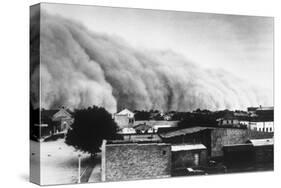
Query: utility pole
[[79, 168]]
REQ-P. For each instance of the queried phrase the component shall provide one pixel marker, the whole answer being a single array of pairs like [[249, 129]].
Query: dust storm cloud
[[80, 68]]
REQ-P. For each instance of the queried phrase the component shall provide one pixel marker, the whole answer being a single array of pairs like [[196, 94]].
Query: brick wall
[[228, 136], [127, 161]]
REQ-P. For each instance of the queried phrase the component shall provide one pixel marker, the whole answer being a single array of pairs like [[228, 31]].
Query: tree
[[90, 127], [198, 119], [142, 115]]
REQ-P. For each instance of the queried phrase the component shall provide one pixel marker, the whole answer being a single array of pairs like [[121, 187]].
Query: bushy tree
[[198, 119], [90, 127], [142, 115]]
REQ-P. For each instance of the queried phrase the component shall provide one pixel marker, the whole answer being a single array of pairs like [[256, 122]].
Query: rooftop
[[182, 132], [265, 108], [125, 112], [262, 142], [187, 147]]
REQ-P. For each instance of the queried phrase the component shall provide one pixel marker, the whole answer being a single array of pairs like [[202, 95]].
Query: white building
[[262, 126], [124, 118]]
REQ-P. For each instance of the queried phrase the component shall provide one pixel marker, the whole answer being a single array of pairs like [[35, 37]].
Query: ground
[[59, 163]]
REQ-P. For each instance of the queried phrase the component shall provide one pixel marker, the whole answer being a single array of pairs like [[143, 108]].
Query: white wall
[[262, 126]]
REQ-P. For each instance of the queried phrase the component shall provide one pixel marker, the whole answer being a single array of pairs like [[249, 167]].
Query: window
[[266, 130], [163, 152], [131, 120]]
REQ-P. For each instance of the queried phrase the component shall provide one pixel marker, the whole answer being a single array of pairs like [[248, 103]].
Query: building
[[124, 118], [233, 120], [261, 111], [193, 135], [250, 153], [262, 119], [188, 156], [144, 128], [158, 126], [261, 125], [123, 160], [220, 137], [263, 150], [54, 121]]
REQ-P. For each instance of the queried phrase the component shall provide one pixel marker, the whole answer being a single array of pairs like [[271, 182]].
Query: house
[[54, 121], [124, 118], [229, 120]]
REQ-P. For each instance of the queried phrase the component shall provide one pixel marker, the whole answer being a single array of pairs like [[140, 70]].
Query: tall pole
[[79, 168]]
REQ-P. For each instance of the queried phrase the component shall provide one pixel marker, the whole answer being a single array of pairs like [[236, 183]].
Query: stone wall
[[128, 161], [228, 136]]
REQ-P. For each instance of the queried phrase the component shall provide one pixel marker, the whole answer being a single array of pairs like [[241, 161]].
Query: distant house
[[124, 118], [167, 117], [261, 126], [54, 121], [229, 120], [262, 119], [234, 120], [262, 111], [144, 128], [257, 119], [157, 126], [252, 110]]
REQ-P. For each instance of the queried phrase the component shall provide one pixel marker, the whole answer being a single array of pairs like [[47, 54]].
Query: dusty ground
[[59, 163], [96, 172]]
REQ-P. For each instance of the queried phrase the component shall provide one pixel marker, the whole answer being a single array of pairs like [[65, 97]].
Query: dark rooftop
[[185, 131]]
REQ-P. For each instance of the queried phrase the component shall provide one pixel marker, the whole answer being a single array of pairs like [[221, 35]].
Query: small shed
[[263, 150], [188, 155]]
